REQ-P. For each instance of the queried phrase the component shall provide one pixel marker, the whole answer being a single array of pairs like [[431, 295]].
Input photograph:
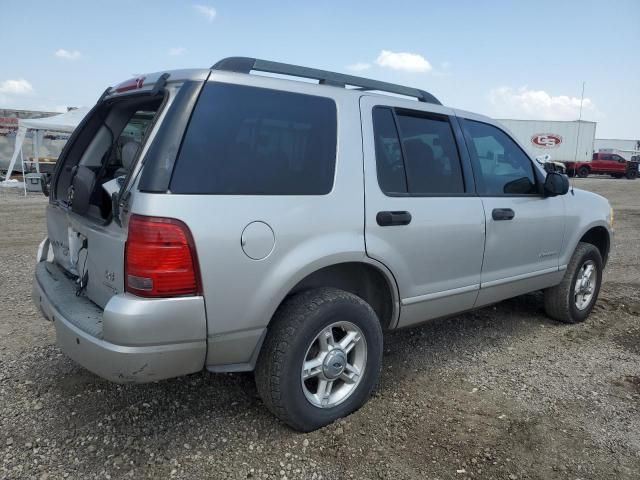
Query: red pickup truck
[[604, 163]]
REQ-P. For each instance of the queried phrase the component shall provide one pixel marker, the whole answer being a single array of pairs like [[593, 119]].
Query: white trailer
[[624, 148], [563, 141]]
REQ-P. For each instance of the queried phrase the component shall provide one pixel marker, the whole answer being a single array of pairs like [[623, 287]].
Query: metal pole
[[575, 155], [575, 158], [24, 180]]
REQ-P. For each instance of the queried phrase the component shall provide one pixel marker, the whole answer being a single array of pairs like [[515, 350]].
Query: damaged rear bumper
[[132, 339]]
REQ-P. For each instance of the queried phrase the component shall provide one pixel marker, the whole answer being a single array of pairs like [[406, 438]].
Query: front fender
[[584, 211]]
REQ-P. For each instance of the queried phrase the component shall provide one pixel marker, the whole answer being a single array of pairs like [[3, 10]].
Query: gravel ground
[[499, 393]]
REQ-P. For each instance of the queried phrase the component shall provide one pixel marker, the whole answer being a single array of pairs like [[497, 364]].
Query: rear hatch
[[92, 185]]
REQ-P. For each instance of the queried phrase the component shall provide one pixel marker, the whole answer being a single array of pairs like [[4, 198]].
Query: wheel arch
[[370, 280], [599, 237], [373, 283]]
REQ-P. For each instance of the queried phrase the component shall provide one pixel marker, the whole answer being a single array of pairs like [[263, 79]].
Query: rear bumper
[[132, 340]]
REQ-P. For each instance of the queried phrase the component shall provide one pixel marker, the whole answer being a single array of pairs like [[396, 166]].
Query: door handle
[[502, 214], [388, 219]]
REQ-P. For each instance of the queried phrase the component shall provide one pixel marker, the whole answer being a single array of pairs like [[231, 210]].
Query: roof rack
[[246, 65]]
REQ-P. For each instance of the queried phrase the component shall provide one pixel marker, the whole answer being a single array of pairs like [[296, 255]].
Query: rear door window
[[389, 162], [254, 141], [431, 155], [416, 153]]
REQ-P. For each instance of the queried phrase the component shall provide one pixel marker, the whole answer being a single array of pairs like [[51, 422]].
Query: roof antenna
[[575, 157]]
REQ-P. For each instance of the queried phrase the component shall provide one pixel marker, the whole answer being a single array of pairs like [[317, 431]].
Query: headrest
[[129, 151]]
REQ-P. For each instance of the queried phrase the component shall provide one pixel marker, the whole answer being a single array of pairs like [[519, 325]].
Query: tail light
[[160, 258], [131, 84]]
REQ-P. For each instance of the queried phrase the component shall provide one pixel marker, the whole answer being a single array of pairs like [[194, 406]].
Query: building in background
[[624, 148], [51, 146], [564, 141]]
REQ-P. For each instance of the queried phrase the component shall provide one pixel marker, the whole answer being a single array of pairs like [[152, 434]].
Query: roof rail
[[246, 65]]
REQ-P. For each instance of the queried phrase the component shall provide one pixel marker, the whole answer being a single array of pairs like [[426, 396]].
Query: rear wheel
[[321, 358], [573, 299], [583, 172]]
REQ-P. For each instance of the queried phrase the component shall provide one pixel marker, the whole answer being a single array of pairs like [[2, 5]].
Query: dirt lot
[[500, 393]]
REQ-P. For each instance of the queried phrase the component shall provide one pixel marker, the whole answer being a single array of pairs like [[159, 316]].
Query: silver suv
[[222, 220]]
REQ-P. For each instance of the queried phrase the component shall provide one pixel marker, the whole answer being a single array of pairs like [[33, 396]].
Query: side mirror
[[555, 184]]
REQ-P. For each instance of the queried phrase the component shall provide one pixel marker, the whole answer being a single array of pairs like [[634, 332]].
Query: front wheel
[[632, 175], [321, 358], [572, 300]]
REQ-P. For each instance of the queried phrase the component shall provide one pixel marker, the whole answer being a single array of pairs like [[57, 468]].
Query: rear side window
[[416, 153], [254, 141]]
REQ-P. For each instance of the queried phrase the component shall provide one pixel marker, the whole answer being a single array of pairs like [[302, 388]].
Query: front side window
[[416, 153], [255, 141], [502, 167]]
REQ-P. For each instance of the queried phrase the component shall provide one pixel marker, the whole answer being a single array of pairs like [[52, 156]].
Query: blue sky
[[504, 59]]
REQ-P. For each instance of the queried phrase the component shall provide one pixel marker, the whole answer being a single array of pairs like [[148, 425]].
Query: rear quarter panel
[[242, 294]]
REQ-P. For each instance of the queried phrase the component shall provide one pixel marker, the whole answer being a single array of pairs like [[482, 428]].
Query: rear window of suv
[[255, 141]]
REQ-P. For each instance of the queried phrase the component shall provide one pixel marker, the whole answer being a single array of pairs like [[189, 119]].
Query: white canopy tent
[[65, 122]]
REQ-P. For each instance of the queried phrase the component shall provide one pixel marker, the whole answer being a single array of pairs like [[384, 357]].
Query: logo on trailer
[[546, 140]]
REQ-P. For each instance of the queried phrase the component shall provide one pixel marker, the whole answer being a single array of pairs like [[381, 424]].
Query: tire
[[632, 175], [583, 172], [561, 301], [294, 337]]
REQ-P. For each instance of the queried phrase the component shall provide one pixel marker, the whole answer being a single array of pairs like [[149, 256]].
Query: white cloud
[[207, 12], [359, 67], [21, 95], [537, 104], [15, 87], [176, 51], [13, 93], [67, 54], [409, 62]]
